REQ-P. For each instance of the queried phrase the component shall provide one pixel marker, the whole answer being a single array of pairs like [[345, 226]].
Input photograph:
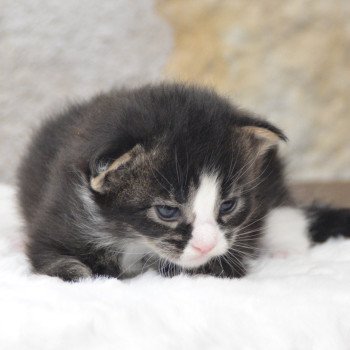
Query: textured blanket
[[300, 302]]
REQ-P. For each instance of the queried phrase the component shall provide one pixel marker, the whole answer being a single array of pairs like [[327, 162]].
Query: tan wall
[[287, 60]]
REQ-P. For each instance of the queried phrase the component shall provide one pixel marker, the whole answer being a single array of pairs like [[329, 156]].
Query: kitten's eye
[[167, 213], [228, 206]]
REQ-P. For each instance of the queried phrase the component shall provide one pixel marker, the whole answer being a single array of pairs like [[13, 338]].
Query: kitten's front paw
[[68, 269]]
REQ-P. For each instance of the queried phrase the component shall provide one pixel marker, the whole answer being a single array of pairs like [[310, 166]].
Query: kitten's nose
[[203, 248], [205, 237]]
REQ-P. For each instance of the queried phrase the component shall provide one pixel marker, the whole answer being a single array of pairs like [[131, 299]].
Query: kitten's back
[[38, 164]]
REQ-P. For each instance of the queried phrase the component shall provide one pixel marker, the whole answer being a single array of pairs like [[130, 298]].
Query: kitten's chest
[[135, 259]]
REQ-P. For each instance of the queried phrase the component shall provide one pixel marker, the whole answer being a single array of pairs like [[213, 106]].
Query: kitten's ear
[[265, 135], [98, 181]]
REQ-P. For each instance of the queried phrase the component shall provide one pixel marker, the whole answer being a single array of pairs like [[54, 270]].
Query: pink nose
[[203, 248]]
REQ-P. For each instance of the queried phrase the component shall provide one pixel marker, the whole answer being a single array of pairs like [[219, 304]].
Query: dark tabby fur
[[75, 231]]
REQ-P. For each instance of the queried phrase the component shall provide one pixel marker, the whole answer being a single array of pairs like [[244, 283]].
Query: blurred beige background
[[288, 61]]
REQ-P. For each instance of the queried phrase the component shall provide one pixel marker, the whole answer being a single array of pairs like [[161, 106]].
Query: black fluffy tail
[[326, 222]]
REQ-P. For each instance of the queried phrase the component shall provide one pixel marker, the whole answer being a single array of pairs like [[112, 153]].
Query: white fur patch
[[205, 199], [206, 232], [286, 232], [132, 258], [93, 225]]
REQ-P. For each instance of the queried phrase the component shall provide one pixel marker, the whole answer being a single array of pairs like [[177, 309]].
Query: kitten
[[169, 177]]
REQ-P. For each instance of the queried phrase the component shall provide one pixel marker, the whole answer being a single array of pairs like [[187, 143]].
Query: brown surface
[[335, 193]]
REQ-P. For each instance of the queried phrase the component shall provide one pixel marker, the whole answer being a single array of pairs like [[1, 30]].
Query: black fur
[[75, 231], [326, 222]]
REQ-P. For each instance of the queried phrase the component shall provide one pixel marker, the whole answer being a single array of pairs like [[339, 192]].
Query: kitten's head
[[190, 183]]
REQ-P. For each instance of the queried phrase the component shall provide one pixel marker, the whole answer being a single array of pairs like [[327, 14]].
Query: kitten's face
[[186, 209], [199, 228]]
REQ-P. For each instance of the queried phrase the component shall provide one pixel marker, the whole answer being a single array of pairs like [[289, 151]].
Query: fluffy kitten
[[167, 176]]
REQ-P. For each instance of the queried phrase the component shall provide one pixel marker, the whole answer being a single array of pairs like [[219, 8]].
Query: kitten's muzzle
[[205, 237], [207, 242]]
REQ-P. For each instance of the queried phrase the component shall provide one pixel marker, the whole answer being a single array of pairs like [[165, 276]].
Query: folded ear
[[266, 138], [97, 182]]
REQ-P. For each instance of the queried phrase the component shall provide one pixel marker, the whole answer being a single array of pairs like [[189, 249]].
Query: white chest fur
[[135, 259]]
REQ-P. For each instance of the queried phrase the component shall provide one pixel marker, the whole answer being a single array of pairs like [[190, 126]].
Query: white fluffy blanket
[[300, 302]]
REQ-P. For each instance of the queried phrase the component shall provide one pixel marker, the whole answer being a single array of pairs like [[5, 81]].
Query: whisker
[[234, 263], [256, 178], [249, 165], [254, 222], [222, 268], [145, 264]]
